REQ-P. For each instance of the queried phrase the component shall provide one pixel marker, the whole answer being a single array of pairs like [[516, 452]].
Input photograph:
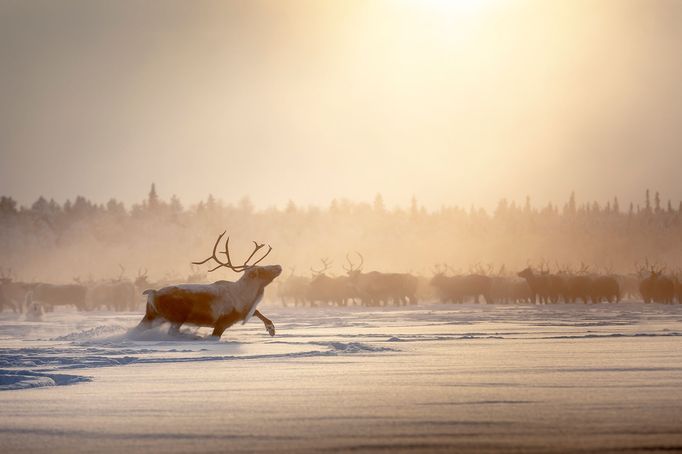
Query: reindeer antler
[[455, 272], [228, 264], [326, 263], [438, 268], [584, 268], [351, 265], [608, 269], [654, 267], [639, 268]]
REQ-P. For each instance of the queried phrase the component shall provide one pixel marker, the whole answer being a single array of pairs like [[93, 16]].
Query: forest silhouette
[[85, 240]]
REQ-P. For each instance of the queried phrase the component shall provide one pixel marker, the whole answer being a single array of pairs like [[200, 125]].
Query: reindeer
[[218, 305], [117, 294], [505, 288], [294, 287], [556, 286], [629, 285], [500, 285], [606, 287], [677, 285], [322, 286], [375, 288], [579, 285], [656, 287], [52, 295], [330, 289], [12, 293], [538, 285], [34, 310], [478, 283], [448, 288], [459, 288]]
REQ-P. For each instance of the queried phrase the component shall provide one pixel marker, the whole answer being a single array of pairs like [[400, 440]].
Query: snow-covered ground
[[434, 377]]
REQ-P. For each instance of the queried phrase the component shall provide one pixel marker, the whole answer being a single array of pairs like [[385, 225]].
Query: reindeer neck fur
[[239, 296]]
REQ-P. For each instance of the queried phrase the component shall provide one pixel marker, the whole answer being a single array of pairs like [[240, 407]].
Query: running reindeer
[[218, 305]]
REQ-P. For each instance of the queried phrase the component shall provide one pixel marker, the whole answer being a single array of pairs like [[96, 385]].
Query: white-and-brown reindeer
[[218, 305]]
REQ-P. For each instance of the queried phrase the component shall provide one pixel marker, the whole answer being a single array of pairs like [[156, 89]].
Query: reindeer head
[[584, 269], [526, 273], [544, 267], [262, 274], [439, 279], [326, 264], [439, 269], [653, 270], [353, 270], [141, 280], [5, 276]]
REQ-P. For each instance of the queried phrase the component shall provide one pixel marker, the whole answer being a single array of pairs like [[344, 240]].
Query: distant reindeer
[[629, 285], [34, 311], [556, 287], [478, 283], [52, 295], [538, 284], [141, 281], [12, 293], [375, 288], [327, 289], [461, 288], [508, 289], [656, 287], [579, 285], [606, 287], [117, 294], [295, 288], [447, 287]]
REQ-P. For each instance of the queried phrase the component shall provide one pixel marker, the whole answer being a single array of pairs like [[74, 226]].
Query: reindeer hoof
[[271, 329]]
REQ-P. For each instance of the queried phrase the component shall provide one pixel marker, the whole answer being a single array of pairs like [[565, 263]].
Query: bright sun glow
[[453, 6]]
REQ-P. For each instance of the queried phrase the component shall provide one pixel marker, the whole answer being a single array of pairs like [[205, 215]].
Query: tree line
[[81, 239]]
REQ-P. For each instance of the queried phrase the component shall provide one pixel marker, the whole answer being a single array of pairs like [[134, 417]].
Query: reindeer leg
[[218, 331], [267, 322], [225, 322], [174, 329]]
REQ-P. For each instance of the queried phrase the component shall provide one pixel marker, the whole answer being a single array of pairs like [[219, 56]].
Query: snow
[[478, 378]]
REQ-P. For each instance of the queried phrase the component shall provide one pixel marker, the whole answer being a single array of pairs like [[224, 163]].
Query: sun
[[463, 7]]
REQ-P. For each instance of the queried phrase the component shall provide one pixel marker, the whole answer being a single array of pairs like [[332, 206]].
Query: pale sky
[[454, 102]]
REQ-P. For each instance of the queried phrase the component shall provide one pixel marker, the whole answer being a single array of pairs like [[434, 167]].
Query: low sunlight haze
[[340, 226]]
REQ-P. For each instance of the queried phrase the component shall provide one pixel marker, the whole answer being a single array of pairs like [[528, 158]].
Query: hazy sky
[[455, 102]]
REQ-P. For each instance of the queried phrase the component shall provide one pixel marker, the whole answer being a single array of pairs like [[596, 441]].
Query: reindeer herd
[[372, 288], [117, 294], [482, 284], [532, 285]]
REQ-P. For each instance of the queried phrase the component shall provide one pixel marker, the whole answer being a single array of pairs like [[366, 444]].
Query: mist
[[84, 241]]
